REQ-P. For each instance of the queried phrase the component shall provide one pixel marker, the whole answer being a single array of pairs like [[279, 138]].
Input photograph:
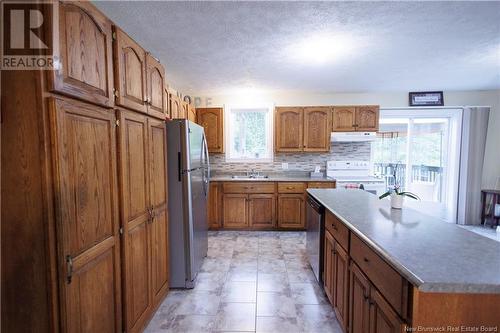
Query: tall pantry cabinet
[[84, 201]]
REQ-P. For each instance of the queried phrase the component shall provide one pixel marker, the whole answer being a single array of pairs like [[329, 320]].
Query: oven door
[[314, 236]]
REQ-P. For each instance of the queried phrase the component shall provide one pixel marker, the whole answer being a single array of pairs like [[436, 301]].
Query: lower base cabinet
[[291, 211], [336, 278], [262, 211], [235, 212]]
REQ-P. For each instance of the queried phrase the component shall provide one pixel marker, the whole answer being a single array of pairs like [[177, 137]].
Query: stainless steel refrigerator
[[188, 180]]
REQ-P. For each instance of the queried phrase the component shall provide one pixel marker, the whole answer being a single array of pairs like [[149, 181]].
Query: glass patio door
[[423, 146]]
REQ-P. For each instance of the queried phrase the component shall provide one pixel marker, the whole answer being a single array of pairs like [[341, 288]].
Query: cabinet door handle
[[334, 227], [366, 260], [69, 268]]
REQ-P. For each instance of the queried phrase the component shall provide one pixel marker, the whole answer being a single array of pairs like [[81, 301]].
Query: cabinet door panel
[[130, 71], [174, 107], [343, 119], [262, 210], [291, 210], [212, 121], [359, 301], [328, 265], [383, 319], [90, 297], [235, 213], [134, 191], [317, 128], [367, 118], [341, 285], [288, 128], [155, 86], [137, 274], [158, 199], [214, 203], [159, 231], [85, 53], [87, 215]]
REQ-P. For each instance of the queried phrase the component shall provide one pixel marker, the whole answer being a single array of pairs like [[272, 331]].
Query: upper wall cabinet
[[155, 85], [212, 121], [130, 71], [343, 119], [367, 118], [355, 118], [174, 105], [83, 44], [317, 128], [289, 129], [191, 113]]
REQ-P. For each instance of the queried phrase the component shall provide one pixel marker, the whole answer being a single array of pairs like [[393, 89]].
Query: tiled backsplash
[[339, 151]]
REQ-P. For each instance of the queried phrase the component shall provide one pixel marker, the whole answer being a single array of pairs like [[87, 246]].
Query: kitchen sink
[[249, 176]]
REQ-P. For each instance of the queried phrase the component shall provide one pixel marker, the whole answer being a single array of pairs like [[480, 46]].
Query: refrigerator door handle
[[206, 165]]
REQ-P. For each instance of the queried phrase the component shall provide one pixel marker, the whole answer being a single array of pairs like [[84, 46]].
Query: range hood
[[353, 136]]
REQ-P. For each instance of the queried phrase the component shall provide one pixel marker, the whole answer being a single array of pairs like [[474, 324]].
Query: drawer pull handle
[[289, 188], [334, 227], [366, 260]]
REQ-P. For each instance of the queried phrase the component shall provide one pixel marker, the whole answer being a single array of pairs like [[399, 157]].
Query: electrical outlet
[[284, 166]]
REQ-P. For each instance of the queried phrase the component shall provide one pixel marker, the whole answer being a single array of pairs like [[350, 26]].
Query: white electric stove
[[355, 174]]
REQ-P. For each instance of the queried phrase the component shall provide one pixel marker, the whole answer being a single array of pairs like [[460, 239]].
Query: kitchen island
[[426, 272]]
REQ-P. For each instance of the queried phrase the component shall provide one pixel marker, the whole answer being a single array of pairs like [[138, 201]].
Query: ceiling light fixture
[[320, 49]]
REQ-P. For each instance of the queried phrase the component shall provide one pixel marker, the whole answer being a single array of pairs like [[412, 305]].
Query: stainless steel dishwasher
[[315, 236]]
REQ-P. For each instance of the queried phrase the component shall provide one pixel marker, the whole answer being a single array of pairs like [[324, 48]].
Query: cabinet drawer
[[321, 185], [291, 187], [248, 187], [390, 284], [338, 230]]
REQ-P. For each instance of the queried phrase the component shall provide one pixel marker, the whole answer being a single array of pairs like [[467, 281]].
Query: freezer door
[[195, 147]]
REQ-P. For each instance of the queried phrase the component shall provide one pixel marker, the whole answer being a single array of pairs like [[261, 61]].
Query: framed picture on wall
[[426, 98]]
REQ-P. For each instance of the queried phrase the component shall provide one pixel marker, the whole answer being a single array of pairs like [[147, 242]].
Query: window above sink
[[249, 134]]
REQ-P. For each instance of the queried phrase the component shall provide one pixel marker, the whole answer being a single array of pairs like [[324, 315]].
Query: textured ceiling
[[219, 47]]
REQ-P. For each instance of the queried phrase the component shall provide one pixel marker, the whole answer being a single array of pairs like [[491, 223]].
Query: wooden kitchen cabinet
[[262, 211], [317, 128], [183, 111], [289, 126], [291, 211], [235, 212], [341, 284], [359, 301], [87, 219], [214, 205], [155, 86], [383, 319], [367, 118], [328, 184], [343, 119], [355, 118], [191, 113], [144, 213], [129, 72], [174, 106], [85, 54], [328, 264], [212, 121]]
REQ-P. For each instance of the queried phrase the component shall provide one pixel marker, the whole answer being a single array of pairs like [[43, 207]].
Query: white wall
[[491, 169]]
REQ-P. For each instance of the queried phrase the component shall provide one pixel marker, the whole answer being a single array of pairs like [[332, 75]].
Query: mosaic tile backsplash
[[339, 151]]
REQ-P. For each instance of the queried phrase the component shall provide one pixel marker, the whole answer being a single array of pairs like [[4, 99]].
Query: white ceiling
[[217, 47]]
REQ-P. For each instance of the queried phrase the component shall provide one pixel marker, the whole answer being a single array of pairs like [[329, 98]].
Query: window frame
[[269, 134]]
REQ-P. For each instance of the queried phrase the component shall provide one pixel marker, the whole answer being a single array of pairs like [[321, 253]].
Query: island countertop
[[433, 255]]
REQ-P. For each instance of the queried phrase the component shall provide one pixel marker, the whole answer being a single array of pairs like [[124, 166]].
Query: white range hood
[[353, 136]]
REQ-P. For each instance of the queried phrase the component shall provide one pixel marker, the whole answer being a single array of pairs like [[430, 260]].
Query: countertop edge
[[435, 287], [271, 179]]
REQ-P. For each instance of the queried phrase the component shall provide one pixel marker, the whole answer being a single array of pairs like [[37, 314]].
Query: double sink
[[252, 176]]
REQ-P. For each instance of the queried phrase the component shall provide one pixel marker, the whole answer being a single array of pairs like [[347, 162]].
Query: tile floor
[[250, 282]]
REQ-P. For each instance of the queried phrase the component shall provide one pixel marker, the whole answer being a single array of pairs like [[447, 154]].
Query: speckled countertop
[[272, 177], [433, 255]]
